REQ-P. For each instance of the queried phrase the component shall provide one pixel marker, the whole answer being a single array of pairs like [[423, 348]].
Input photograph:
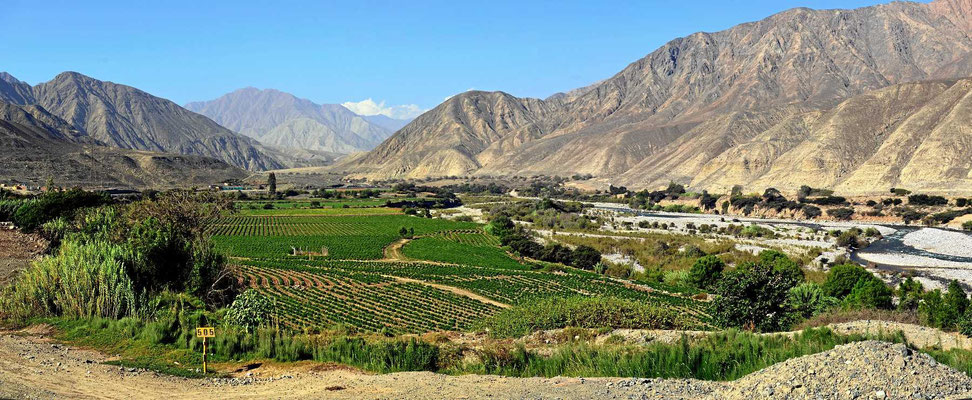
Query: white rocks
[[940, 241]]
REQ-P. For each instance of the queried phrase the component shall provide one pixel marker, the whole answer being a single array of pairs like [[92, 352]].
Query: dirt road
[[34, 367]]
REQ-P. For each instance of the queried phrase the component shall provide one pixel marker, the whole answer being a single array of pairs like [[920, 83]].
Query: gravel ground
[[864, 370], [941, 241], [32, 367]]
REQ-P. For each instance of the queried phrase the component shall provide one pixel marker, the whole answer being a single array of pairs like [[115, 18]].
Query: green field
[[343, 237], [344, 277], [477, 249]]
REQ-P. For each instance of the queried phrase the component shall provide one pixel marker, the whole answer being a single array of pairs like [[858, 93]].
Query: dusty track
[[34, 367]]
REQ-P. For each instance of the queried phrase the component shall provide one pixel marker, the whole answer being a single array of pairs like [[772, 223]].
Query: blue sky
[[394, 52]]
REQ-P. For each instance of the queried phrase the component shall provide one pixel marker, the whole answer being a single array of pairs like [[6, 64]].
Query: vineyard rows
[[365, 301]]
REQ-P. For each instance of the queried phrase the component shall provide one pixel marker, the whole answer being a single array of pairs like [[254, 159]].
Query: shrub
[[926, 200], [754, 296], [581, 312], [870, 293], [811, 211], [967, 225], [900, 192], [51, 205], [706, 271], [586, 257], [850, 238], [842, 278], [250, 310], [808, 299], [843, 213]]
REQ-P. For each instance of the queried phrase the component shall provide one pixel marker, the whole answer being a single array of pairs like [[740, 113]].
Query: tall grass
[[584, 312], [169, 341], [81, 281], [724, 356]]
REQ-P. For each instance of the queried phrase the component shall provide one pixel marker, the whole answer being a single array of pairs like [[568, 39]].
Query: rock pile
[[862, 370]]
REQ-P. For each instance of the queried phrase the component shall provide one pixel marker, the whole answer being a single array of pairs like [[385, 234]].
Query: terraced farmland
[[325, 297], [456, 274]]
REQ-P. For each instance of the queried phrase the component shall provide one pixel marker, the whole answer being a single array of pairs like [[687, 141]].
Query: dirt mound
[[868, 369]]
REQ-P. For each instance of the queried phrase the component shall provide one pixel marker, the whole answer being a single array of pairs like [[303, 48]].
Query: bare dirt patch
[[17, 250]]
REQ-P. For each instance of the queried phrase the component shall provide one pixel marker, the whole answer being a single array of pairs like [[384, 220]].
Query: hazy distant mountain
[[283, 120], [746, 105], [125, 117], [38, 145], [389, 123]]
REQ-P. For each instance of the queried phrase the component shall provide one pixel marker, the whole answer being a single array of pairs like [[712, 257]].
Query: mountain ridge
[[281, 119], [125, 117], [793, 62]]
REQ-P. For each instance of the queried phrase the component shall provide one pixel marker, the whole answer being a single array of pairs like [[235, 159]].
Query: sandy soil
[[16, 252]]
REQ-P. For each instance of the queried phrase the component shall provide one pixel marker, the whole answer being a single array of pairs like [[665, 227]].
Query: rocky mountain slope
[[280, 119], [124, 117], [742, 106], [38, 145]]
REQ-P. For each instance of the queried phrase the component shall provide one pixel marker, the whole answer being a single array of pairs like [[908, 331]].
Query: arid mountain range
[[38, 146], [280, 119], [859, 100], [125, 117], [856, 100]]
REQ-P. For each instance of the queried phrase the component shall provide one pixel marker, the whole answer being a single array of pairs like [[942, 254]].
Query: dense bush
[[827, 201], [944, 310], [909, 293], [30, 215], [926, 200], [113, 256], [585, 257], [582, 312], [250, 310], [706, 271], [967, 225], [754, 296], [808, 299], [843, 213], [842, 279], [811, 211], [870, 293]]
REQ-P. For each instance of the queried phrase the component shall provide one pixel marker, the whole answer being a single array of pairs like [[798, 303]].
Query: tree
[[804, 192], [706, 271], [500, 226], [781, 264], [870, 293], [842, 278], [910, 292], [586, 257], [707, 201], [404, 233], [754, 296], [272, 184], [808, 299]]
